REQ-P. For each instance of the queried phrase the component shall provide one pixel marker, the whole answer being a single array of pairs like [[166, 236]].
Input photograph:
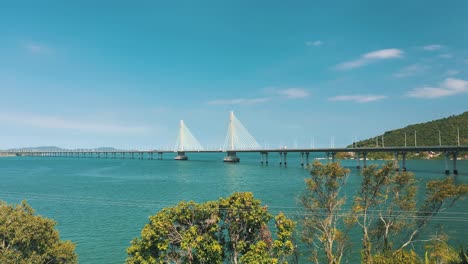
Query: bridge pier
[[150, 156], [302, 159], [283, 160], [333, 154], [454, 155], [403, 161], [160, 155], [307, 158], [395, 161], [447, 157], [364, 160], [231, 157], [357, 157], [181, 156], [264, 158]]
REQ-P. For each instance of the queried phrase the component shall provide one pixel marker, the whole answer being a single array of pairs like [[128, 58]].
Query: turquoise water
[[101, 204]]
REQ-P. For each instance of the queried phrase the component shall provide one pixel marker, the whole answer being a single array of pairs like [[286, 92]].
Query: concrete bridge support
[[357, 157], [181, 156], [395, 161], [302, 159], [447, 157], [403, 161], [264, 158], [455, 170], [231, 157], [283, 160], [307, 158], [364, 159]]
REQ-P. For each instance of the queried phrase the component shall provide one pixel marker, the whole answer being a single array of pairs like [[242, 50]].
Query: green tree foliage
[[463, 256], [28, 238], [439, 252], [323, 201], [385, 209], [233, 229], [382, 206], [402, 256]]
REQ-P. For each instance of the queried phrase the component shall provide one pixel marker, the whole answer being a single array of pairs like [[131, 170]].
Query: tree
[[323, 202], [382, 207], [439, 252], [28, 238], [233, 229], [386, 210]]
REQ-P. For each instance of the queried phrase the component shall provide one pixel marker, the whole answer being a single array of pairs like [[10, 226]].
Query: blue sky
[[123, 73]]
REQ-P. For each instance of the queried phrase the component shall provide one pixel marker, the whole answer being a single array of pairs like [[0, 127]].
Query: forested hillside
[[427, 134]]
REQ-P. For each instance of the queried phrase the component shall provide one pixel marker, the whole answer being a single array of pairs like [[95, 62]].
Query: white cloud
[[272, 94], [450, 86], [452, 72], [432, 47], [383, 54], [293, 93], [37, 48], [239, 101], [53, 122], [370, 57], [446, 56], [314, 43], [358, 98], [411, 70]]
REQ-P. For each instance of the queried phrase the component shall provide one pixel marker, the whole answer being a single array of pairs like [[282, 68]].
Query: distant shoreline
[[7, 155]]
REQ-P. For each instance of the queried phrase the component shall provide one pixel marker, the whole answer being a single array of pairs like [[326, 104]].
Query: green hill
[[427, 134]]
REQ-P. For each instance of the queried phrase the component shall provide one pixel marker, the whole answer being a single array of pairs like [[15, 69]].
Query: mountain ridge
[[427, 134]]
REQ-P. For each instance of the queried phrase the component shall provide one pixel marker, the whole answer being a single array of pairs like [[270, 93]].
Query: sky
[[85, 74]]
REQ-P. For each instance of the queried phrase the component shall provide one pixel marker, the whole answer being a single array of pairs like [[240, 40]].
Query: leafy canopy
[[230, 230], [27, 238]]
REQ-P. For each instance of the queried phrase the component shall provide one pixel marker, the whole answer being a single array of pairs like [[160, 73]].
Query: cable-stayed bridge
[[238, 140]]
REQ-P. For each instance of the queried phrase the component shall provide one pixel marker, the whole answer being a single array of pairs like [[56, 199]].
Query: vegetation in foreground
[[230, 230], [27, 238], [386, 212], [236, 229]]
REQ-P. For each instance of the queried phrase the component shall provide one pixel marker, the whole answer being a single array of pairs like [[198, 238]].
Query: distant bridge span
[[238, 139], [360, 154]]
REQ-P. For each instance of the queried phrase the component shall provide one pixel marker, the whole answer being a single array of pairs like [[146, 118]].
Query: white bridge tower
[[237, 138], [185, 142]]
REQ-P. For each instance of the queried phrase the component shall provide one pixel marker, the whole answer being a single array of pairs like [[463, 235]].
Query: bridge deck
[[322, 150]]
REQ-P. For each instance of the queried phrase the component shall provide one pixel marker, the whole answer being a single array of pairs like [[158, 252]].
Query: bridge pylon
[[237, 138], [185, 142]]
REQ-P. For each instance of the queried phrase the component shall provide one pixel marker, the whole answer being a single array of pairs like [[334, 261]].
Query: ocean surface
[[101, 204]]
